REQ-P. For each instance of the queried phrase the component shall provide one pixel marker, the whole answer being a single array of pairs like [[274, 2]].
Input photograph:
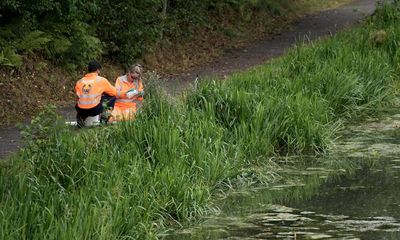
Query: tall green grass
[[132, 180]]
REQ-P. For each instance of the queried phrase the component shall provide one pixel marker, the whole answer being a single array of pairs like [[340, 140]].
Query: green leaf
[[8, 57], [35, 40]]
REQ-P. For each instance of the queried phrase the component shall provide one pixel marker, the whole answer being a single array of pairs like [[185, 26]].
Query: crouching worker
[[129, 94], [93, 91]]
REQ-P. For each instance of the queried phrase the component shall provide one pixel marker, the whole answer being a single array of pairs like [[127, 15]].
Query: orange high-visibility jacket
[[122, 84], [90, 88]]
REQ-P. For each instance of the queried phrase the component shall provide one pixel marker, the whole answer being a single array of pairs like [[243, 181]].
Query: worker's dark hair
[[93, 66]]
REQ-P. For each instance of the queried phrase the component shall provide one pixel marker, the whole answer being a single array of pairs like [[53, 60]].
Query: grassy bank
[[133, 179]]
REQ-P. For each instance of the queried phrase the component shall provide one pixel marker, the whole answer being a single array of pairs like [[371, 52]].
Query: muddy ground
[[307, 28]]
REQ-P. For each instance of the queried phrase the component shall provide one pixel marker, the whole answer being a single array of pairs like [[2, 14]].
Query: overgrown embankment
[[42, 44], [132, 179]]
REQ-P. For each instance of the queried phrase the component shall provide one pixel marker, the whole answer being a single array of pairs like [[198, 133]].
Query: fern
[[8, 57], [57, 48], [35, 40]]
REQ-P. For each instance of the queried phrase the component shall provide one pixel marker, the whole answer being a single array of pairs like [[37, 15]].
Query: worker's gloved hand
[[131, 93]]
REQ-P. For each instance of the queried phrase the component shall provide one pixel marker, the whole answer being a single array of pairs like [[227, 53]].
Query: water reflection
[[323, 201]]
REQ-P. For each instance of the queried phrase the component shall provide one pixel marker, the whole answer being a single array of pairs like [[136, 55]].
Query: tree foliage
[[75, 31]]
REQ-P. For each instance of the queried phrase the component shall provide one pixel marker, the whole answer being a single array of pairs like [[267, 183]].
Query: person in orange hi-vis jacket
[[92, 91], [130, 93]]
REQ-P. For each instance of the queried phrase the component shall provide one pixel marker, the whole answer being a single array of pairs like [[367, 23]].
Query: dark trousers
[[106, 101]]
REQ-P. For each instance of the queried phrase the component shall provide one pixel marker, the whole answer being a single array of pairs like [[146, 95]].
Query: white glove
[[131, 93]]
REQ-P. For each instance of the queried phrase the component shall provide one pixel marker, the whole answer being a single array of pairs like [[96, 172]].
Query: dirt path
[[310, 27]]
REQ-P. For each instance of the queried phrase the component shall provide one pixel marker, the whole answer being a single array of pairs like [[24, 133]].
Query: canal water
[[352, 194]]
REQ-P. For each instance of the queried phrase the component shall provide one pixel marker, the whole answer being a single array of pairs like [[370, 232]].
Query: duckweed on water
[[359, 205]]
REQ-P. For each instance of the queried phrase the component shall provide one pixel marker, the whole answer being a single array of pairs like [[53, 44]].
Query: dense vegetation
[[71, 32], [46, 44], [130, 180]]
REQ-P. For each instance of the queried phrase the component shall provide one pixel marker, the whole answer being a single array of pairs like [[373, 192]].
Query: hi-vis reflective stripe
[[137, 102], [89, 95], [119, 93], [125, 100], [87, 102], [98, 78], [86, 81]]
